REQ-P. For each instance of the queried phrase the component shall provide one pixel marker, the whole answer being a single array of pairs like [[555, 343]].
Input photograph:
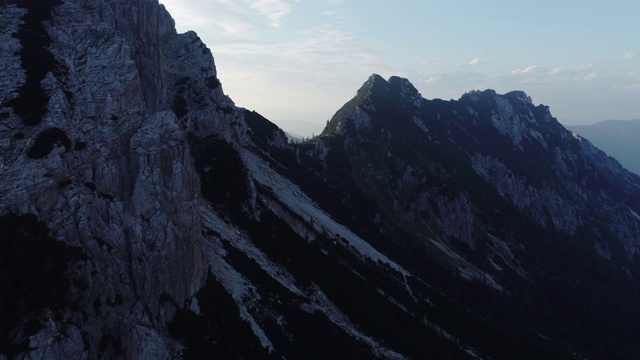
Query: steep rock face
[[103, 106], [616, 137], [106, 165], [518, 148], [573, 177], [494, 189]]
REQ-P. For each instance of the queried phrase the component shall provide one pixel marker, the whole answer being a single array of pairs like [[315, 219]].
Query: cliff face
[[556, 178], [617, 138], [93, 146]]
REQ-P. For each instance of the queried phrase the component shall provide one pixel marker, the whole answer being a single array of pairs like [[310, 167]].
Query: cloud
[[274, 10], [432, 79], [425, 60], [571, 69], [230, 18], [236, 26], [630, 55], [528, 70], [328, 47], [319, 50], [248, 48], [591, 76], [475, 61], [239, 18]]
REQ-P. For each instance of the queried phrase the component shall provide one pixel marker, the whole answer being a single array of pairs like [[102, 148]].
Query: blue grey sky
[[300, 60]]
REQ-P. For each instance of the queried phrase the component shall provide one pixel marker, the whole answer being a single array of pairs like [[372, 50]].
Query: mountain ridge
[[186, 226], [519, 150], [512, 115], [616, 137]]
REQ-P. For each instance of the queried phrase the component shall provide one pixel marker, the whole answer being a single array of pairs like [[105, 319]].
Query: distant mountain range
[[143, 215], [297, 129], [619, 138]]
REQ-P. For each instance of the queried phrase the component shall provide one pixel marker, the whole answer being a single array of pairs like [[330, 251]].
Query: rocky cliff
[[617, 138], [94, 148], [552, 175]]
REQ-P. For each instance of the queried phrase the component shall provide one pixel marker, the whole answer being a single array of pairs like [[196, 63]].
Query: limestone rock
[[107, 167]]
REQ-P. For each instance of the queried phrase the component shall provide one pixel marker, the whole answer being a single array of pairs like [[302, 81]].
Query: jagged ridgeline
[[144, 215]]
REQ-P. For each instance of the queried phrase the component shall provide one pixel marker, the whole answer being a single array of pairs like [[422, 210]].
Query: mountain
[[145, 215], [617, 137], [494, 188]]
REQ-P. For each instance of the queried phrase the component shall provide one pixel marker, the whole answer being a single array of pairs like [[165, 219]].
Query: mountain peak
[[405, 89], [519, 95], [395, 85], [375, 93], [376, 77], [475, 95], [375, 84]]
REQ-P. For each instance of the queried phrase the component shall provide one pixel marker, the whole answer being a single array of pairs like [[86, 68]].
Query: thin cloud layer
[[571, 69], [528, 70], [274, 10], [237, 18], [591, 76], [474, 62], [318, 49]]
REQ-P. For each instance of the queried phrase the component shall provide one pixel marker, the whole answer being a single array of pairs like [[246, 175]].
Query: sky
[[298, 61]]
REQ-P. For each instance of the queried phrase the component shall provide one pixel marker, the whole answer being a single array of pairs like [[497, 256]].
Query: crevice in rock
[[46, 141], [36, 60]]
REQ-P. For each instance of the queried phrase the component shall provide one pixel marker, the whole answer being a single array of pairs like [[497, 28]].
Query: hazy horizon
[[295, 60]]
